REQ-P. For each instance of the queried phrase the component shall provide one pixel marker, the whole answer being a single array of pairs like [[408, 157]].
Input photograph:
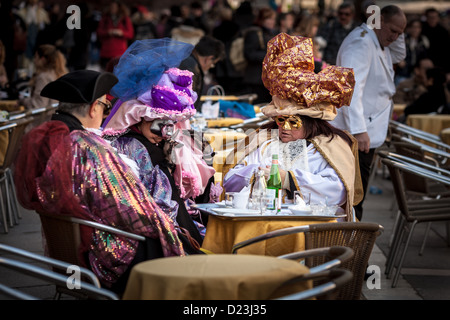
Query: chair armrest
[[337, 278], [58, 264], [339, 254], [96, 225]]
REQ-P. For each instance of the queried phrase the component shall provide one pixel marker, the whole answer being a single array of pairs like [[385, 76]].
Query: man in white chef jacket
[[371, 50]]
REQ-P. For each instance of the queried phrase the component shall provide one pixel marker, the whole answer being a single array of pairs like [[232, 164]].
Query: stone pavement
[[425, 277]]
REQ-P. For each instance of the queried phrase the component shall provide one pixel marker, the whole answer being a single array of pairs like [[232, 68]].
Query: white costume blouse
[[311, 172]]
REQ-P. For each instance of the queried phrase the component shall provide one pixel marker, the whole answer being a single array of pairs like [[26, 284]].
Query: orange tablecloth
[[429, 123], [212, 277], [223, 232]]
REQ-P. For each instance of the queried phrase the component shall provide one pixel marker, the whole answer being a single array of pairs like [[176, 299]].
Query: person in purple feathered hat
[[148, 122]]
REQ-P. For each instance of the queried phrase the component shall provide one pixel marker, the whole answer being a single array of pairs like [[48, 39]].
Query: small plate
[[300, 212]]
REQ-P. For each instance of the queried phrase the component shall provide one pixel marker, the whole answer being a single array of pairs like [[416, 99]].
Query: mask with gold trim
[[289, 122]]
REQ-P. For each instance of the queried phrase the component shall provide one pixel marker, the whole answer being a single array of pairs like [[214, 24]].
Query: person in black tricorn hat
[[65, 167], [78, 92]]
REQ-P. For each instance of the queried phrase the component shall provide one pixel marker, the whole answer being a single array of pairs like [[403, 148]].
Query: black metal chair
[[86, 287], [412, 212]]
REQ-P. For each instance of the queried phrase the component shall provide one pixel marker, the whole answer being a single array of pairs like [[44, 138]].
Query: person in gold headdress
[[315, 158]]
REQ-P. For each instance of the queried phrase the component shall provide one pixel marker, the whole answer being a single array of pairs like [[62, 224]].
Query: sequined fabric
[[84, 177], [153, 177], [288, 73]]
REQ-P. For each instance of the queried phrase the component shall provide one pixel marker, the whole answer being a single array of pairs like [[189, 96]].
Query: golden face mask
[[289, 122]]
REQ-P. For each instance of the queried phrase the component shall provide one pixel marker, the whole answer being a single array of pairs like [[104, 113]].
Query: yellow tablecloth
[[219, 160], [10, 106], [223, 122], [223, 232], [445, 135], [430, 123], [212, 277]]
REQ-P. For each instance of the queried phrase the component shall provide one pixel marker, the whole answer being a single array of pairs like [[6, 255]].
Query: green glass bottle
[[274, 189]]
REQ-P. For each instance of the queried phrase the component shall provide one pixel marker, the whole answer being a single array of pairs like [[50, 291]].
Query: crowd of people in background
[[107, 32]]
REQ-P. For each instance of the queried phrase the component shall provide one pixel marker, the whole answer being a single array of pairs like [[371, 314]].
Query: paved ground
[[425, 277]]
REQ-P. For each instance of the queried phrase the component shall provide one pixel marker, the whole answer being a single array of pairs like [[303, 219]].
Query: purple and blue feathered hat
[[150, 84]]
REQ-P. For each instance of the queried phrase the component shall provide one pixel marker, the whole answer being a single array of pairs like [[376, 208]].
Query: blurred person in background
[[417, 46], [255, 47], [412, 88], [439, 39], [50, 64], [335, 31], [207, 52], [114, 31]]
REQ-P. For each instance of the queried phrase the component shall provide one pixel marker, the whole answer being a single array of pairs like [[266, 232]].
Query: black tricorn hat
[[81, 86]]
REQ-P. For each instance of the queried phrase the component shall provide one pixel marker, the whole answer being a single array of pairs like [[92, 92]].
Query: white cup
[[236, 200]]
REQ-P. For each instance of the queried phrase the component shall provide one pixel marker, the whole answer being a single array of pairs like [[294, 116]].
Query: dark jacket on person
[[191, 63]]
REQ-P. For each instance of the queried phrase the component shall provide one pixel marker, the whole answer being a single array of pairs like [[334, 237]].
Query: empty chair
[[417, 134], [9, 205], [441, 156], [359, 236], [56, 265], [412, 213], [87, 289]]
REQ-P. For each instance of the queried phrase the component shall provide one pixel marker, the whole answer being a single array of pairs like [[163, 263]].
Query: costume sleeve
[[356, 54], [240, 176], [321, 182]]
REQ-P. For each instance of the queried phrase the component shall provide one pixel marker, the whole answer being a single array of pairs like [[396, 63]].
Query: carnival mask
[[163, 128], [289, 122]]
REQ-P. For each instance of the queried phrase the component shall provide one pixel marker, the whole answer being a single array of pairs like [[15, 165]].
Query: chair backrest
[[62, 266], [413, 182], [323, 286], [330, 282], [63, 238], [397, 170], [334, 256], [440, 155], [14, 142], [63, 235], [417, 134], [359, 236], [86, 289]]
